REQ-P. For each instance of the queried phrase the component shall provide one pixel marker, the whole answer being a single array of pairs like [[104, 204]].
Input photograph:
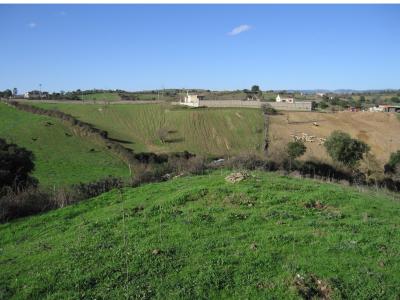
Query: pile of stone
[[236, 177]]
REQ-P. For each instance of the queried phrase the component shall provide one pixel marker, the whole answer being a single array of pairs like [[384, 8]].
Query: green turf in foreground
[[60, 156], [200, 237]]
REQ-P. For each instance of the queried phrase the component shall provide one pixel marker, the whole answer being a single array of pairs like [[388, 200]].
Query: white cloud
[[32, 25], [239, 29]]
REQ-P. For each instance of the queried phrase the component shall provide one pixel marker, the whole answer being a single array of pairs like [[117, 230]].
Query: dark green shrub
[[341, 147], [296, 149], [16, 164]]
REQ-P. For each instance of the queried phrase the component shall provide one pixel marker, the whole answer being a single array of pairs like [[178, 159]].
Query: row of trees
[[8, 93]]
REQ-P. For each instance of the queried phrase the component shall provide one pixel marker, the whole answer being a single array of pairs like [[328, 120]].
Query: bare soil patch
[[379, 130]]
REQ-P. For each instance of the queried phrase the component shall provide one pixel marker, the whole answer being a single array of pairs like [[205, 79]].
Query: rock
[[253, 246], [236, 177], [179, 175], [156, 252]]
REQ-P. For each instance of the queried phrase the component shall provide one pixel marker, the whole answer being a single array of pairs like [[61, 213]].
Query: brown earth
[[381, 131]]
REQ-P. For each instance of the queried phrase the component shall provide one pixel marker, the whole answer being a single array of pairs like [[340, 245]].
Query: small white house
[[379, 108], [192, 100], [36, 95], [287, 99]]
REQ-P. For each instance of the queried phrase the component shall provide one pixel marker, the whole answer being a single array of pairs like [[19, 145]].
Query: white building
[[36, 95], [192, 100], [287, 100], [380, 108]]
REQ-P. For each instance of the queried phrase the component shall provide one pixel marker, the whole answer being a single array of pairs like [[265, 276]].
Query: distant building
[[385, 108], [282, 103], [36, 95], [287, 99], [192, 100], [376, 108], [320, 94]]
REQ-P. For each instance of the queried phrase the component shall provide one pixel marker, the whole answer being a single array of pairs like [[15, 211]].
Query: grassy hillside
[[102, 96], [203, 131], [200, 237], [61, 157]]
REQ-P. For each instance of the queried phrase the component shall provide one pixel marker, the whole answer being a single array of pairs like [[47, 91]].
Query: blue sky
[[218, 47]]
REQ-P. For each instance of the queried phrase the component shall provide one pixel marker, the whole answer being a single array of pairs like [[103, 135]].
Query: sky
[[218, 47]]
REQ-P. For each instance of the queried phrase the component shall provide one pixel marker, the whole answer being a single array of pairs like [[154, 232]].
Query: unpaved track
[[381, 131]]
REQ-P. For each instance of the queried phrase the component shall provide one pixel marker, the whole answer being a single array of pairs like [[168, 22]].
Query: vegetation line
[[82, 129], [266, 132]]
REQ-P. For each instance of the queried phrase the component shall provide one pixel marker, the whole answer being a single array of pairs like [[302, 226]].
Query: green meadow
[[101, 96], [61, 157], [203, 131], [203, 238]]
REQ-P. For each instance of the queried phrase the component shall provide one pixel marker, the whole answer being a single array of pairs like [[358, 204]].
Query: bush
[[393, 163], [16, 164], [31, 200], [392, 168], [245, 161], [251, 162], [323, 105], [196, 165], [341, 147], [28, 202], [89, 190], [268, 110], [317, 169], [146, 173], [295, 149]]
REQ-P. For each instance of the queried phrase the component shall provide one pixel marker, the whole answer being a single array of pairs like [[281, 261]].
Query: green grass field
[[101, 96], [61, 157], [200, 237], [202, 131]]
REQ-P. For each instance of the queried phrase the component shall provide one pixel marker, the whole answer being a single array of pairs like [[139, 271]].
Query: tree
[[16, 164], [255, 89], [323, 105], [395, 99], [15, 92], [268, 110], [394, 163], [341, 147], [296, 149], [7, 93]]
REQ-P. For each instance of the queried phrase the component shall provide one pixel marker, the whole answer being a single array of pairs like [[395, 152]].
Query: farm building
[[36, 95], [287, 99], [192, 100], [386, 108], [283, 104]]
